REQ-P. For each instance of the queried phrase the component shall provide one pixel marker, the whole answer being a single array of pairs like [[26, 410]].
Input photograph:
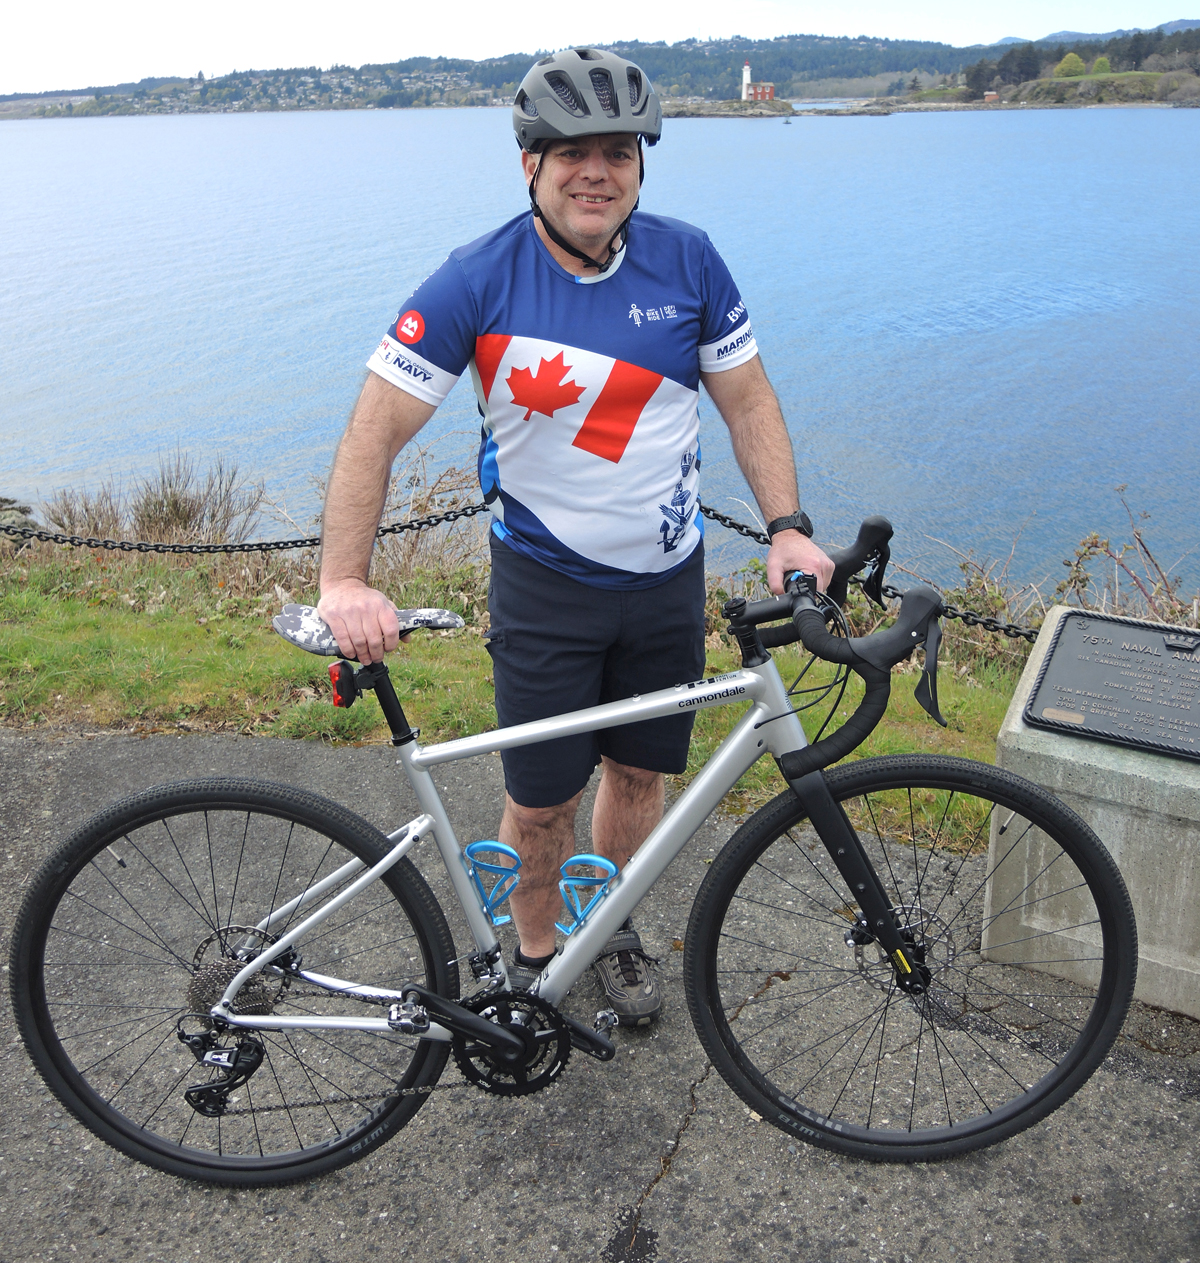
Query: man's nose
[[595, 166]]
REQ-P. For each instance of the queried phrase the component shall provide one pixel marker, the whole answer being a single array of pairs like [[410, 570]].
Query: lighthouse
[[755, 91]]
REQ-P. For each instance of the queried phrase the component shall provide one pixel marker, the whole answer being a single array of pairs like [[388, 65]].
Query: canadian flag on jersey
[[519, 375]]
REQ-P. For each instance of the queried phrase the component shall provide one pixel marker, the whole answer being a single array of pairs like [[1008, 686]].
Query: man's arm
[[383, 420], [764, 452]]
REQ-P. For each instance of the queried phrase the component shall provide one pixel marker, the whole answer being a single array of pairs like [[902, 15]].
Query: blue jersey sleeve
[[726, 337], [431, 342]]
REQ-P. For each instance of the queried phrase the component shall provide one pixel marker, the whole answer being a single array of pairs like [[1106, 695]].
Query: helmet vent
[[589, 54], [635, 88], [565, 92], [526, 104], [603, 85]]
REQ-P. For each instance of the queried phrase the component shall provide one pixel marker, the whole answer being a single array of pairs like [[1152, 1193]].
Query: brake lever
[[926, 691], [872, 585]]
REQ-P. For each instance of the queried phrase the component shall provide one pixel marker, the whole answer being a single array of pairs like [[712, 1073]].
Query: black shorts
[[559, 645]]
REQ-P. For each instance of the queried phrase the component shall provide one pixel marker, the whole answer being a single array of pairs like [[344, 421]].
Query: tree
[[979, 78], [1102, 67], [1137, 49], [1020, 64], [1070, 67]]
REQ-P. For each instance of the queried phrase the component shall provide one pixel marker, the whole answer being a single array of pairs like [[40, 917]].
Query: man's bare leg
[[629, 803], [543, 837]]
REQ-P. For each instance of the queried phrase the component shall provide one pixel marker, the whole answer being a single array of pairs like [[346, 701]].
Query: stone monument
[[1114, 731]]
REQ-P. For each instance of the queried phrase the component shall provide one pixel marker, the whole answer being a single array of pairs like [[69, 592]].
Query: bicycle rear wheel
[[134, 925], [1009, 899]]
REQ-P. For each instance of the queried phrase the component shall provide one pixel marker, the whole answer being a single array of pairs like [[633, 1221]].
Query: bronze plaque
[[1117, 679]]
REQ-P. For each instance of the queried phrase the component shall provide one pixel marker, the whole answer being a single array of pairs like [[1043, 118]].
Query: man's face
[[586, 187]]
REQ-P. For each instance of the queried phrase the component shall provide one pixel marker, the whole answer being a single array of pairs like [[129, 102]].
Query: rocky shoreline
[[884, 106]]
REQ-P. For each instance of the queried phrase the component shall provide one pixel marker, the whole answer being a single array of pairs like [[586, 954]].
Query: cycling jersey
[[588, 386]]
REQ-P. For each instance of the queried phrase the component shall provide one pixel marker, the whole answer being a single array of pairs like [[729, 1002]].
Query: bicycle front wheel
[[134, 928], [1006, 896]]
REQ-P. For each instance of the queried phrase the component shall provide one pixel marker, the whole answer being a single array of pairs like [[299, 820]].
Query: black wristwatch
[[795, 522]]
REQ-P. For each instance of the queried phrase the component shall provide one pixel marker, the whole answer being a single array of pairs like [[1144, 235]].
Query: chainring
[[546, 1033]]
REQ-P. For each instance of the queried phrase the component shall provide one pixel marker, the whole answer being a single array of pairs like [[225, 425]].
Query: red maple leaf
[[543, 391]]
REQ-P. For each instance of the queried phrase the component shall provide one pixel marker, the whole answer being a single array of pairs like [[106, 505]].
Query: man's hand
[[362, 620], [792, 551]]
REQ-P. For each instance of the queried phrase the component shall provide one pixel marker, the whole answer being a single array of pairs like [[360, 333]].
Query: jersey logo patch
[[546, 390], [410, 327]]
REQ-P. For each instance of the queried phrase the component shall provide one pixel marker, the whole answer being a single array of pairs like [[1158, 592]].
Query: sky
[[80, 43]]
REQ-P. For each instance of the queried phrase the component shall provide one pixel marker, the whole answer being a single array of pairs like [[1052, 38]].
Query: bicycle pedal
[[593, 1042], [606, 1019], [408, 1018]]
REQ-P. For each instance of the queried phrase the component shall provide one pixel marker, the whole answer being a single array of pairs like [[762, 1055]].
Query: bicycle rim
[[132, 931], [1017, 911]]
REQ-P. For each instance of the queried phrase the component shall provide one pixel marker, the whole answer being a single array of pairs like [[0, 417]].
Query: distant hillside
[[704, 70], [1075, 37]]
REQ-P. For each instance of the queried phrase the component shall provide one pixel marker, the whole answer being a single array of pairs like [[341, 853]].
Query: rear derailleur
[[233, 1065]]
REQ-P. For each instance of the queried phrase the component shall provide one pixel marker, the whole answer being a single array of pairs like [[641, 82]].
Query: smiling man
[[588, 328]]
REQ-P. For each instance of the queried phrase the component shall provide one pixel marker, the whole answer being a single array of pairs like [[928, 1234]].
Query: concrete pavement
[[649, 1157]]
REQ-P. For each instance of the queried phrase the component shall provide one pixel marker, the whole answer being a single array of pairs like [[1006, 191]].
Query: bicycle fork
[[875, 921]]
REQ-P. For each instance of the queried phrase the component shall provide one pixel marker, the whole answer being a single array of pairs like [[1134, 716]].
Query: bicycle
[[903, 958]]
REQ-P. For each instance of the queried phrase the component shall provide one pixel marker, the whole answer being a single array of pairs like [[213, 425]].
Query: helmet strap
[[621, 235]]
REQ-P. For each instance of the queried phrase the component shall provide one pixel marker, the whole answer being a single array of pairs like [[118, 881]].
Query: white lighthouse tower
[[746, 82]]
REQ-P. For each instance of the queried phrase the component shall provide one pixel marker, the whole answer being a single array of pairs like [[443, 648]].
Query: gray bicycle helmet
[[584, 92]]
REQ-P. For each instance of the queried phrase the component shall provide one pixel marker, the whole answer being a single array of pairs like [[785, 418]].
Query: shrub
[[1102, 66], [1177, 86], [1070, 67]]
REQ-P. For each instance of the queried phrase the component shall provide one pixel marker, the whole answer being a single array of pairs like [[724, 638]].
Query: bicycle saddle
[[307, 630]]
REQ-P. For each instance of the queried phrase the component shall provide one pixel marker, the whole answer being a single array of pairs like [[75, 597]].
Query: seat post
[[377, 677]]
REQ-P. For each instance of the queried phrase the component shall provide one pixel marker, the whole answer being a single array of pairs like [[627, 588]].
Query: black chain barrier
[[1012, 630]]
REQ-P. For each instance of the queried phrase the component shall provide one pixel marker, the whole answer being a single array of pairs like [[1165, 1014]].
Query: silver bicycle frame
[[769, 726]]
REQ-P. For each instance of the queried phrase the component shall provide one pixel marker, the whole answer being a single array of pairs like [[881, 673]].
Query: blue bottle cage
[[507, 873], [571, 887]]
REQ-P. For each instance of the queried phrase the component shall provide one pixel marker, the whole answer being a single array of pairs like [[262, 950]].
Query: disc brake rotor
[[932, 939], [547, 1039]]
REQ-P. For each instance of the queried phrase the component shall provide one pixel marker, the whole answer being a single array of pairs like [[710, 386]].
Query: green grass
[[115, 643]]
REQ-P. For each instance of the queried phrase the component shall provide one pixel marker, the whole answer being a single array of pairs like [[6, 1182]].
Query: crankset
[[542, 1030]]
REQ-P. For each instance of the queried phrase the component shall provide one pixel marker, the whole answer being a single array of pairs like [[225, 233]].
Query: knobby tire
[[1020, 915], [104, 965]]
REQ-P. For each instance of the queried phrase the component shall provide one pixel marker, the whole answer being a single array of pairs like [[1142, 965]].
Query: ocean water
[[978, 324]]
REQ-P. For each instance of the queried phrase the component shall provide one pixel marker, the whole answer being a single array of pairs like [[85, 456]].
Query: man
[[588, 330]]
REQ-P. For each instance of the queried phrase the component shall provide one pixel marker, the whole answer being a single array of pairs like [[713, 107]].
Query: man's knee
[[632, 781], [539, 821]]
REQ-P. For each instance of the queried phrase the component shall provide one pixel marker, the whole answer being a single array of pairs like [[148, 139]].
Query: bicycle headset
[[585, 92]]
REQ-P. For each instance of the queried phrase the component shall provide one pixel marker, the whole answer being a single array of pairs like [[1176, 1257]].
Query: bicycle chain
[[1012, 630], [349, 1100], [344, 1100]]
